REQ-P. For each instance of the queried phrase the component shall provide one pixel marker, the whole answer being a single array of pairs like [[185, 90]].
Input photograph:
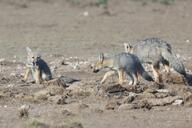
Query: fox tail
[[144, 74], [176, 63]]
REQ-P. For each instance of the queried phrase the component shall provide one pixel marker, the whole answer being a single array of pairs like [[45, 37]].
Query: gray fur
[[131, 64], [155, 51]]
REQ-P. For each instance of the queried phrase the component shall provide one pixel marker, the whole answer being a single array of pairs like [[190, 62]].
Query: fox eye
[[33, 57]]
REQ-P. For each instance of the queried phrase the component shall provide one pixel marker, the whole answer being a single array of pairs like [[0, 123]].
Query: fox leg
[[132, 79], [138, 77], [120, 74], [37, 76], [135, 78], [156, 74], [167, 68], [107, 74], [26, 74], [124, 77]]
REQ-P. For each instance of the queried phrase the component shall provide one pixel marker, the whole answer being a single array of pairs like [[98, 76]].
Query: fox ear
[[101, 57], [38, 54], [29, 51], [128, 47]]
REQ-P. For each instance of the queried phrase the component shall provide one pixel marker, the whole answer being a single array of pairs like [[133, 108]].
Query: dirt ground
[[70, 35]]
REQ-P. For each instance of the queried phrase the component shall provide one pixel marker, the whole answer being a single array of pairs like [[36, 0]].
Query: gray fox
[[154, 51], [122, 63], [37, 67]]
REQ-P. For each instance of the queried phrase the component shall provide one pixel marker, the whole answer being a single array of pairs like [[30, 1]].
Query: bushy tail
[[176, 63], [144, 74]]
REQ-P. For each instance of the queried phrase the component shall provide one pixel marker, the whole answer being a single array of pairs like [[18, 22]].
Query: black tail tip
[[149, 78], [188, 79]]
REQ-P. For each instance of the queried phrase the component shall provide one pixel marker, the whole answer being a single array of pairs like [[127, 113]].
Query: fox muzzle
[[95, 70]]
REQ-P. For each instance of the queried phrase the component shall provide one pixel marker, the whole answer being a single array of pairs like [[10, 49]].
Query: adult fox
[[122, 63], [154, 51]]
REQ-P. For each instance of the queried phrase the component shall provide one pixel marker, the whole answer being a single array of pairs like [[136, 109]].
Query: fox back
[[124, 61], [150, 50], [155, 51]]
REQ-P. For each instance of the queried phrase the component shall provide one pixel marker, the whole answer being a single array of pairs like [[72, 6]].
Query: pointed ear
[[101, 57], [38, 54], [130, 46], [126, 46], [29, 51]]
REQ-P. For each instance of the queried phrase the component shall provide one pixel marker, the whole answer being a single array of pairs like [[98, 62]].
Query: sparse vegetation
[[34, 123], [164, 2], [102, 2], [74, 2]]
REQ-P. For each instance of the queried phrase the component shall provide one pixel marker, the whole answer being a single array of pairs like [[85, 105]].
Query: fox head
[[99, 64], [128, 48], [32, 57]]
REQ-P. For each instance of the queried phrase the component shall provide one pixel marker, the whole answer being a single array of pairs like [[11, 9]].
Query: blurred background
[[84, 28]]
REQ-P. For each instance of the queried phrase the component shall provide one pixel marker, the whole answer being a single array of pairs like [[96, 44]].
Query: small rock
[[41, 95], [163, 90], [10, 85], [142, 104], [2, 59], [83, 106], [178, 102], [86, 13], [76, 66], [67, 113], [135, 89], [13, 74], [111, 105], [24, 111], [163, 101], [97, 110], [58, 99], [161, 95], [125, 107], [115, 89], [145, 95], [150, 90], [187, 41], [130, 98], [67, 80], [74, 125]]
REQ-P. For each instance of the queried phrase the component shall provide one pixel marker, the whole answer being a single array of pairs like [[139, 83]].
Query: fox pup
[[37, 67]]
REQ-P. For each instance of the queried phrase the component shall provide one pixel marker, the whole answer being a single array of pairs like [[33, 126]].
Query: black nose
[[95, 71]]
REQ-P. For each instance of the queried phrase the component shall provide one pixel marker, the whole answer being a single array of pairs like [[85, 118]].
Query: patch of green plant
[[164, 2], [34, 123], [74, 2], [102, 2], [167, 2]]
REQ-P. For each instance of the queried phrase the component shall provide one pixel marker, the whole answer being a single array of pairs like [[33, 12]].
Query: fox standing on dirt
[[122, 63], [154, 51], [37, 67]]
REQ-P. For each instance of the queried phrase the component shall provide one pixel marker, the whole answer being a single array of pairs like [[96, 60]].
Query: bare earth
[[74, 34]]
